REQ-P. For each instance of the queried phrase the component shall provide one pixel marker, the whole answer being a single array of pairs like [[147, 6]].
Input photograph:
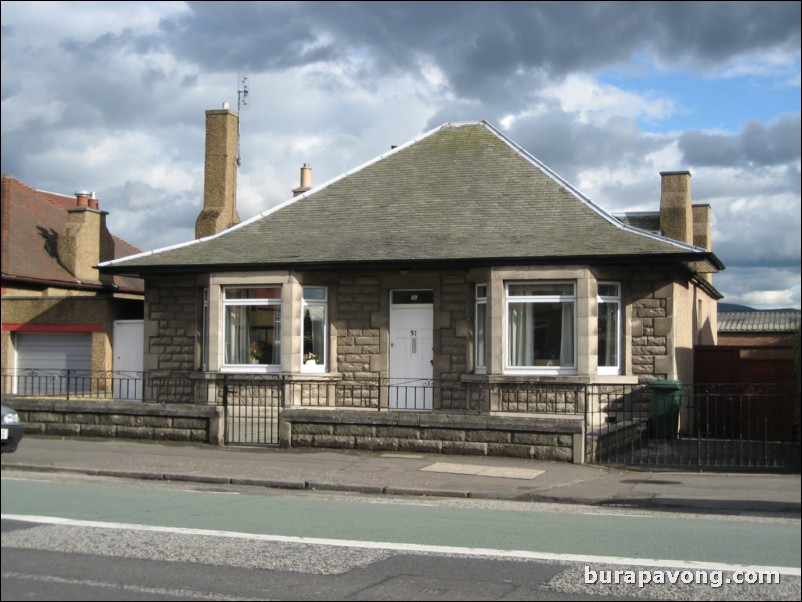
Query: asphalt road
[[114, 539]]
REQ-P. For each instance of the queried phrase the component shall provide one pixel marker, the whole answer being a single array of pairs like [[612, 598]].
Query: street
[[77, 537]]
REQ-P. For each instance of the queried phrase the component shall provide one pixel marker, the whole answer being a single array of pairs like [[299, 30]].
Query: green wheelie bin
[[666, 397]]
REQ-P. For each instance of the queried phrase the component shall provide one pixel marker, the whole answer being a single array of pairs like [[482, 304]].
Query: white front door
[[411, 356]]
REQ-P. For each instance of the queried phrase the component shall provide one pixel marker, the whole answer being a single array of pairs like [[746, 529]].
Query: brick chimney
[[701, 226], [220, 173], [676, 214], [306, 180], [85, 240]]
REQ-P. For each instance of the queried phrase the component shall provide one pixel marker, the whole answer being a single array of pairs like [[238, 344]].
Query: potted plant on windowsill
[[256, 352], [311, 359]]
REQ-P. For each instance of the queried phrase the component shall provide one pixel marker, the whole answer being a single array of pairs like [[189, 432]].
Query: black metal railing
[[700, 427], [378, 393], [659, 425]]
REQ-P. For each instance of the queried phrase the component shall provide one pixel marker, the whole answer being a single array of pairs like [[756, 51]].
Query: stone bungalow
[[456, 260]]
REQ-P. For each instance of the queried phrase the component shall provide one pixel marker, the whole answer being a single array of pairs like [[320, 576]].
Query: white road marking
[[405, 547]]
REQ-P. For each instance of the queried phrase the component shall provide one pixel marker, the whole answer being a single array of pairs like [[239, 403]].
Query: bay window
[[252, 325], [541, 326]]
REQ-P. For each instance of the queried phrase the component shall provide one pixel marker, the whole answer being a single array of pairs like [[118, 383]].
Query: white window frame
[[480, 367], [609, 299], [229, 303], [509, 368], [321, 366]]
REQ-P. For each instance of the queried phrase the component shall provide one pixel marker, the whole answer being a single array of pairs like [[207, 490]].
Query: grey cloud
[[135, 206], [714, 32], [740, 283], [756, 144], [765, 237], [258, 36], [778, 143], [569, 146], [481, 46]]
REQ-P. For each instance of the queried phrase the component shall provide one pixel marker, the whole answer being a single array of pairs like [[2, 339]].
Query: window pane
[[314, 293], [608, 290], [272, 292], [481, 311], [541, 334], [542, 289], [481, 291], [413, 297], [314, 335], [253, 335], [608, 334]]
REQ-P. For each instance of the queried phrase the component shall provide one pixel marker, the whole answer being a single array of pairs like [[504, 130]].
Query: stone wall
[[160, 422], [171, 323], [542, 438], [358, 333], [452, 327], [652, 325]]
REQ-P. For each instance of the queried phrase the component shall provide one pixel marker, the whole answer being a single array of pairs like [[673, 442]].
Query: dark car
[[11, 430]]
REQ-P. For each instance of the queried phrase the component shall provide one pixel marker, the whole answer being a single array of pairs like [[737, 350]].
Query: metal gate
[[706, 427], [253, 406]]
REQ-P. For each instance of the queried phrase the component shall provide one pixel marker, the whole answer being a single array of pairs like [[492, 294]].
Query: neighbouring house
[[753, 347], [766, 329], [452, 264], [59, 312]]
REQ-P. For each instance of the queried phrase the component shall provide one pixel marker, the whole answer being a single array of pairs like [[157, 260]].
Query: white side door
[[128, 359], [411, 357]]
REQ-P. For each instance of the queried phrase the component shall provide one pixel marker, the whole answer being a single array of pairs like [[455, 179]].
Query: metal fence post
[[586, 446], [698, 416]]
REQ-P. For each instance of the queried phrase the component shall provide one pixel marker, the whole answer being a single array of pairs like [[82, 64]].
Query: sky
[[111, 97]]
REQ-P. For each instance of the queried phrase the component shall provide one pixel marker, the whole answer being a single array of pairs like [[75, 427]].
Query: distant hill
[[729, 307], [732, 307]]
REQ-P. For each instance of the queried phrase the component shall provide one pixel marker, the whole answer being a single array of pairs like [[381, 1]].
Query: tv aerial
[[242, 101]]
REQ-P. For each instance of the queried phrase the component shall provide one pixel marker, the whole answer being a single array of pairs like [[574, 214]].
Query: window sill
[[526, 377], [614, 379], [545, 371], [250, 369]]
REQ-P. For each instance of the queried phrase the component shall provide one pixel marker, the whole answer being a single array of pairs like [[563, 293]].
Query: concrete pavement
[[414, 474]]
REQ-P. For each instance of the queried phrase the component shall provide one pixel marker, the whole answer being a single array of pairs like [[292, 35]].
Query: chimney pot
[[306, 180], [306, 176], [82, 198]]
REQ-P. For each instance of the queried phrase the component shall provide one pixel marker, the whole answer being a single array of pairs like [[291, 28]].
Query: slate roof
[[759, 321], [31, 223], [643, 220], [460, 193]]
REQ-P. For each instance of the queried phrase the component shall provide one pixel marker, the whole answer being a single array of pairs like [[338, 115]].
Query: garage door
[[43, 362]]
